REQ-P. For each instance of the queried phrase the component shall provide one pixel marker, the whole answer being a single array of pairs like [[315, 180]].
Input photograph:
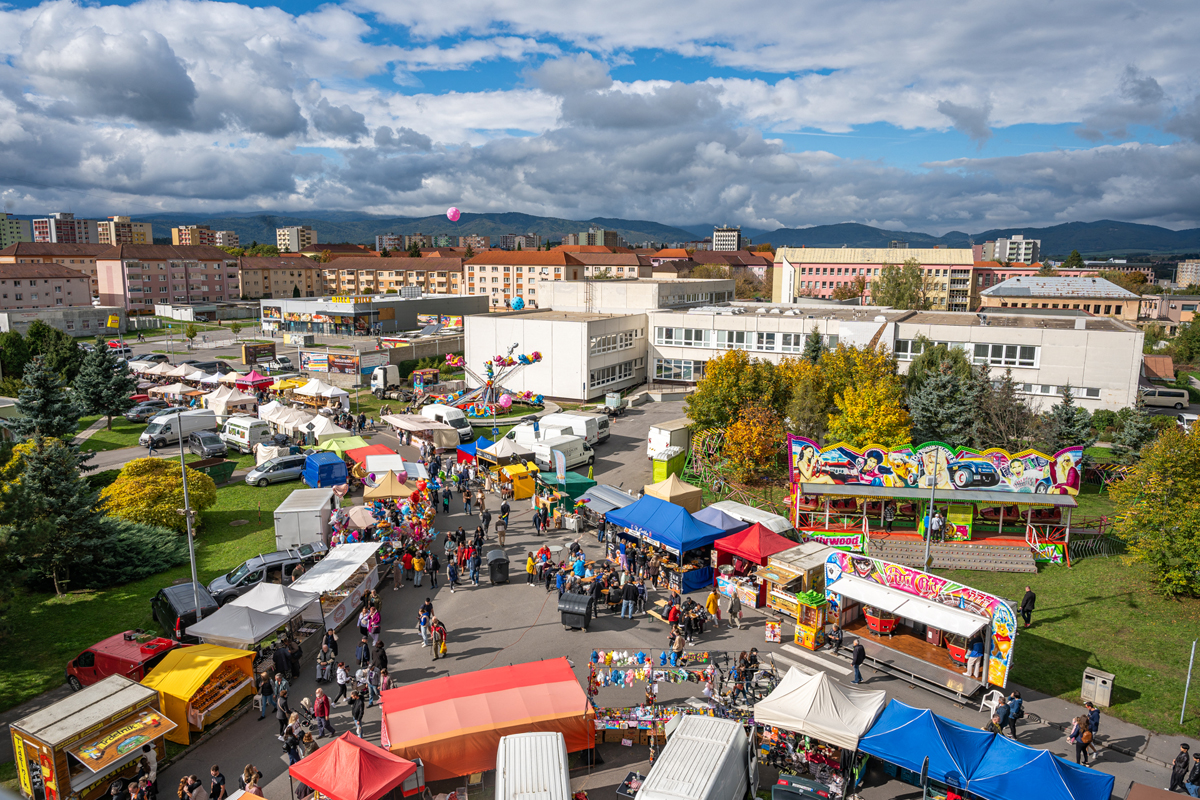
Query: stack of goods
[[220, 685]]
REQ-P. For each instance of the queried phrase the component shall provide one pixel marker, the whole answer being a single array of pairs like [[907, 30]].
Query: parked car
[[278, 363], [1186, 421], [146, 410], [968, 474], [207, 444], [88, 346], [269, 567], [190, 361], [157, 358], [792, 787], [174, 608], [120, 349], [121, 654], [277, 470]]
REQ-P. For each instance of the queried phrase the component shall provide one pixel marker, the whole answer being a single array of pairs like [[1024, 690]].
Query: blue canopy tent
[[904, 736], [1010, 768], [719, 519], [673, 528], [466, 452]]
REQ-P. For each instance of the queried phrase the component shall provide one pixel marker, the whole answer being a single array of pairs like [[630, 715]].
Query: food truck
[[792, 572], [78, 747]]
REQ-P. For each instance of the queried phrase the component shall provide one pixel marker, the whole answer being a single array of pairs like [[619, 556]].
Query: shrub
[[132, 551], [150, 491]]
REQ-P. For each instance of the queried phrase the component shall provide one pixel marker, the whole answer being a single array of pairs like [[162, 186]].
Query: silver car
[[276, 470]]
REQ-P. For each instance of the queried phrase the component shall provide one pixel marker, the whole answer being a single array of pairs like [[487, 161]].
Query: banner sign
[[114, 321], [917, 467], [257, 353], [272, 312], [839, 539], [118, 741], [314, 362], [343, 365], [560, 466]]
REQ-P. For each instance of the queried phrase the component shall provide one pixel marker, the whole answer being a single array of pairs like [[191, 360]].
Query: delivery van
[[1167, 398], [166, 428], [525, 435], [574, 449], [586, 426], [132, 654], [705, 759], [530, 765], [242, 432], [675, 433], [449, 415]]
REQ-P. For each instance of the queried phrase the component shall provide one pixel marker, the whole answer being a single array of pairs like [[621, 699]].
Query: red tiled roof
[[269, 262], [537, 258], [54, 249], [1158, 368], [39, 270], [164, 252], [672, 252]]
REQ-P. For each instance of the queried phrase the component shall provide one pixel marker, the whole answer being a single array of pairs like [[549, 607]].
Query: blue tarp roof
[[470, 448], [904, 735], [989, 766], [665, 523], [1010, 769], [719, 519]]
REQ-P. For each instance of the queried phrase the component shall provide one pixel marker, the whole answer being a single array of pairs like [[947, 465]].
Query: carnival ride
[[491, 394]]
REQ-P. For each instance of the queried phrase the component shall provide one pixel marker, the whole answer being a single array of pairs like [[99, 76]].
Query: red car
[[122, 654]]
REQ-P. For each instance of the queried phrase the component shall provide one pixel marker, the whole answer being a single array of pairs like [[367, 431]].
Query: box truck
[[586, 426], [668, 434], [304, 517], [705, 759], [533, 765], [449, 415]]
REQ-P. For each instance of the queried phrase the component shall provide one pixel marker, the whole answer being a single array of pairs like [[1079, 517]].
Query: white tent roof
[[174, 388], [382, 463], [237, 626], [266, 411], [817, 706], [336, 568], [140, 366], [325, 429], [903, 604], [750, 514], [211, 379], [229, 378], [225, 398], [179, 372], [507, 448], [315, 388], [197, 376], [272, 598], [160, 369]]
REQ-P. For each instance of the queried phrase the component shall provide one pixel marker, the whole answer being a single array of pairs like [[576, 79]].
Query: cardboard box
[[615, 736], [599, 737]]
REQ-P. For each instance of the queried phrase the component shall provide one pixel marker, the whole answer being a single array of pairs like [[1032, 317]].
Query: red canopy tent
[[454, 724], [254, 380], [359, 454], [349, 768], [754, 545]]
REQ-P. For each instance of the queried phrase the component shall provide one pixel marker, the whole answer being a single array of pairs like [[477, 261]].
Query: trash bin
[[1097, 686], [498, 566], [576, 610]]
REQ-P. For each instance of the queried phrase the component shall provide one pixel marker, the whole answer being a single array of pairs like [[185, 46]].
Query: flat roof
[[550, 315], [1041, 286], [1015, 319], [64, 720], [963, 495], [839, 312]]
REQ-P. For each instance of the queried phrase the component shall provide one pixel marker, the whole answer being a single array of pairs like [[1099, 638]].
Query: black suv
[[207, 444], [174, 609], [265, 568]]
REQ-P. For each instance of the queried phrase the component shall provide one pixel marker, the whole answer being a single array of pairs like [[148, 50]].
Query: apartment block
[[505, 275], [265, 277], [1187, 273], [61, 227], [364, 276], [817, 272], [137, 276], [597, 236], [295, 239], [475, 242], [80, 257], [419, 239], [728, 237], [1013, 249], [226, 239], [121, 230], [193, 236], [13, 230], [389, 241], [443, 240], [521, 241], [41, 285]]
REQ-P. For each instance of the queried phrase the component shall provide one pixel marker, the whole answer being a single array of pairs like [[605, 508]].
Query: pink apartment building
[[819, 271], [136, 276], [39, 285]]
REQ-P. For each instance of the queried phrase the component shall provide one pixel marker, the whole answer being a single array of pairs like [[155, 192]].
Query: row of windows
[[678, 369], [1043, 389], [614, 341], [1094, 308], [770, 342], [997, 355], [618, 372], [696, 297]]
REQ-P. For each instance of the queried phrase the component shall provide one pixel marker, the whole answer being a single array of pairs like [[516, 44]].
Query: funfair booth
[[350, 768], [684, 541]]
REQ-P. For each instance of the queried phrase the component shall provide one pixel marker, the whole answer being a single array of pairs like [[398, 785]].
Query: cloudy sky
[[938, 115]]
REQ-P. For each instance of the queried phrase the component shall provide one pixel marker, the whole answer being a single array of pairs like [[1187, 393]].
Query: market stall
[[816, 723], [343, 445], [520, 479], [350, 768], [198, 685], [77, 746], [737, 557], [454, 723], [1009, 769], [388, 485], [441, 436], [227, 402], [323, 430], [604, 498], [253, 381], [341, 579], [719, 519], [795, 589], [676, 491], [750, 515], [359, 454], [274, 598], [230, 378], [467, 452], [574, 486], [505, 451], [172, 390], [239, 627], [671, 528], [319, 394]]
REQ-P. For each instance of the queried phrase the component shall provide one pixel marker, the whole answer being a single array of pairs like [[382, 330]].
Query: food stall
[[350, 768], [387, 485], [239, 627], [520, 478], [318, 394], [686, 564], [505, 451], [791, 572], [274, 598], [737, 558], [76, 747], [815, 723], [253, 381], [466, 453], [198, 685], [676, 491], [341, 579]]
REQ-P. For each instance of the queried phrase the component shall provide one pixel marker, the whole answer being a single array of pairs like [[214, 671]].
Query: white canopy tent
[[196, 376], [268, 410], [161, 369], [211, 380], [314, 388], [751, 515], [272, 598], [229, 378], [324, 429], [336, 568], [818, 706], [226, 400], [171, 390], [507, 448], [396, 463], [908, 606], [140, 366], [182, 371], [238, 626]]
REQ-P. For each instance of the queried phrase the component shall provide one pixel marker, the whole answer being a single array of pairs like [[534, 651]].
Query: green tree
[[414, 250], [129, 551], [1047, 271], [102, 387], [754, 442], [44, 408], [1157, 513], [1005, 418], [1074, 261], [467, 256], [59, 350], [934, 359], [902, 287], [732, 381], [190, 331], [14, 354], [384, 253], [236, 328], [851, 289], [295, 290], [943, 405], [1135, 433], [263, 250], [814, 346], [1187, 343], [1067, 425], [150, 491], [1130, 281], [808, 410], [234, 251]]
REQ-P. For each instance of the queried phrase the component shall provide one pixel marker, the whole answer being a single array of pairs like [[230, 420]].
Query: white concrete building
[[728, 238], [295, 239], [1016, 249], [226, 239]]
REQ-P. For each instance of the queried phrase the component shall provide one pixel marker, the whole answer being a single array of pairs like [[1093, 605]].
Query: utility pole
[[932, 496], [187, 515]]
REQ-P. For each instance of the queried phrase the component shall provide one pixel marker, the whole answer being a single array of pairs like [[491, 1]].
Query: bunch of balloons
[[453, 360]]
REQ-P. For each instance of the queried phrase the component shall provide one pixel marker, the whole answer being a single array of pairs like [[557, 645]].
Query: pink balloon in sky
[[453, 214]]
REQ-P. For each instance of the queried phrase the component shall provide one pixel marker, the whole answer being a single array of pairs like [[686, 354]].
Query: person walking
[[1016, 710], [1027, 603], [150, 448], [466, 498], [446, 500], [889, 515], [1081, 736], [712, 604], [1179, 769], [530, 569], [860, 655], [451, 575], [308, 745], [418, 566], [734, 610], [935, 527], [438, 634], [266, 694], [376, 621], [321, 712], [362, 655], [1192, 784], [282, 713], [434, 568], [343, 677], [974, 656], [373, 680], [1093, 715], [423, 626], [485, 516], [476, 561], [504, 509], [331, 640], [629, 598], [358, 707], [216, 784]]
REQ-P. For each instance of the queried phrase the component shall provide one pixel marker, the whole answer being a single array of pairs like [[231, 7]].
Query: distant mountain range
[[1101, 238]]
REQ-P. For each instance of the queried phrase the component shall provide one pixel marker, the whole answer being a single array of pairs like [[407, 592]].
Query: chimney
[[1081, 324]]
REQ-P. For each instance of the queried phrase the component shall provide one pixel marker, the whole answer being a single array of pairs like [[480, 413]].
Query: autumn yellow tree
[[732, 381], [150, 491], [871, 413], [755, 442]]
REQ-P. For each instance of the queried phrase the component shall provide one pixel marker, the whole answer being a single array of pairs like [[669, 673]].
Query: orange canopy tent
[[349, 768], [755, 544], [454, 724]]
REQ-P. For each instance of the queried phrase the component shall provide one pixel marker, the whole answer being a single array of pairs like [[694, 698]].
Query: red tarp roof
[[454, 724], [359, 454], [349, 768], [756, 544]]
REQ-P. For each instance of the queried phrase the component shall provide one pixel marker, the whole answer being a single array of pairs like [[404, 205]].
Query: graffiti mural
[[1003, 628], [911, 467]]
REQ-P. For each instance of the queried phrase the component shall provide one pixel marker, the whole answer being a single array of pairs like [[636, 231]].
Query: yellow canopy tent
[[288, 383], [389, 485], [676, 491], [523, 479], [198, 684]]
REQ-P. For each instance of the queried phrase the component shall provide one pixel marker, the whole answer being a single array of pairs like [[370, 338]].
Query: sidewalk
[[87, 432]]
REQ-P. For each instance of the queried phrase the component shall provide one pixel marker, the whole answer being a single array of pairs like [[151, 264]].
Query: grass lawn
[[123, 434], [52, 630], [1102, 613], [1093, 501], [1100, 455]]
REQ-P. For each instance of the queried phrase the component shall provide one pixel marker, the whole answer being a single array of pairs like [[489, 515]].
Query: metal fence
[[1090, 545]]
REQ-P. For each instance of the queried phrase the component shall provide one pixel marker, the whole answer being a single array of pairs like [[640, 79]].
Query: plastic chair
[[990, 700]]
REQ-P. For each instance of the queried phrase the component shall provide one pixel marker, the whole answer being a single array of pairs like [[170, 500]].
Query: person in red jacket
[[321, 712]]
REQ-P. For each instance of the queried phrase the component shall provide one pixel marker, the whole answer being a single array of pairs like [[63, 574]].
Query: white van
[[524, 433], [574, 449], [1166, 398], [533, 765], [449, 415], [705, 759], [166, 429], [586, 426], [242, 432]]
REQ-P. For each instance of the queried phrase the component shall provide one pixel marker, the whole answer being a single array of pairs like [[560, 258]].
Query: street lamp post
[[932, 497], [187, 516]]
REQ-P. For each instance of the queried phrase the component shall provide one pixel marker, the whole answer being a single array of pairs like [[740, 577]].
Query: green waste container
[[219, 469]]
